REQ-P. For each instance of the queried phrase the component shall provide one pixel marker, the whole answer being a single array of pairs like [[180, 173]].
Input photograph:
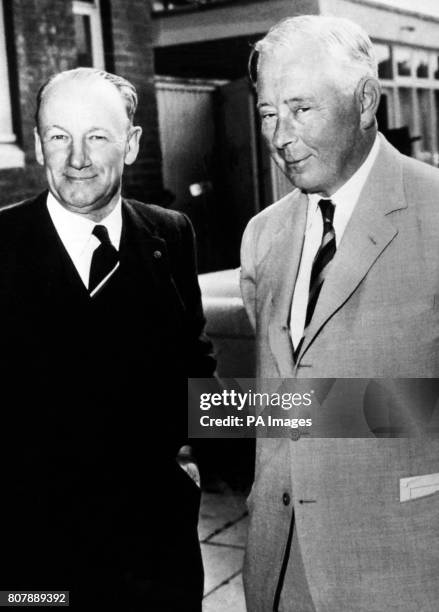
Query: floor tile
[[228, 598], [220, 564], [219, 509], [235, 535]]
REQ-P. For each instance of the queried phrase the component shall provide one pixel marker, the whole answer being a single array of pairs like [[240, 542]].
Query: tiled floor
[[223, 529]]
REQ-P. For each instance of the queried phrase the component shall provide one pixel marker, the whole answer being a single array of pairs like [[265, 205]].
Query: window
[[10, 155], [410, 98], [88, 34], [403, 61], [436, 105], [159, 6], [424, 115], [384, 60], [406, 104], [385, 113], [421, 59]]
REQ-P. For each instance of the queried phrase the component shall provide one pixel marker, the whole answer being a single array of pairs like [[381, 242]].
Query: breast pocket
[[416, 487]]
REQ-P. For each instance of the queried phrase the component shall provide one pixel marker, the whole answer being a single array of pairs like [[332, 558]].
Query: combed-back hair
[[125, 88], [343, 41]]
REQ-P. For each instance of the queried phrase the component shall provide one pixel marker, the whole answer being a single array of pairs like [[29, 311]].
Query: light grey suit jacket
[[377, 316]]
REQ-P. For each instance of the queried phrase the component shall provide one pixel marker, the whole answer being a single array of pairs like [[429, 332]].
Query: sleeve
[[201, 362], [248, 275]]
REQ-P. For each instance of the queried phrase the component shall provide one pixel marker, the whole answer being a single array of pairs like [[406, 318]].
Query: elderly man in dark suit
[[340, 279], [101, 324]]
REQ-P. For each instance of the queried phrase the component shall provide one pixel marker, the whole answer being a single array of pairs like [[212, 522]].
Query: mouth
[[297, 164], [78, 179]]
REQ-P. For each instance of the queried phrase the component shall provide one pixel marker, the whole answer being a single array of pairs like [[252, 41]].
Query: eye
[[267, 115], [302, 109], [58, 137], [97, 137]]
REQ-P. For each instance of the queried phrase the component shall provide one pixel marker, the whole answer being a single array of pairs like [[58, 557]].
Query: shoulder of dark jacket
[[164, 223], [20, 216]]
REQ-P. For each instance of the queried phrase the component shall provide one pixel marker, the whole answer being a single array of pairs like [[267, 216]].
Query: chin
[[299, 181], [307, 184], [79, 200]]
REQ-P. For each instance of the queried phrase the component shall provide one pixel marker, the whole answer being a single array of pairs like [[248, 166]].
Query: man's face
[[311, 126], [84, 140]]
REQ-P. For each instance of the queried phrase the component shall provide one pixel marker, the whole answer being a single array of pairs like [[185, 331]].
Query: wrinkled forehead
[[300, 52], [293, 68]]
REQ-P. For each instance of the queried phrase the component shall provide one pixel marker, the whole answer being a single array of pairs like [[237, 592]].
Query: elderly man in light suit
[[340, 279]]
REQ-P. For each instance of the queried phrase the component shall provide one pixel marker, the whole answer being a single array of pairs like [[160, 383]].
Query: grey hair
[[125, 88], [344, 41]]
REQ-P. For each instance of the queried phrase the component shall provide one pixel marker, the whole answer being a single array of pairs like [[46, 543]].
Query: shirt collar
[[75, 230], [345, 198]]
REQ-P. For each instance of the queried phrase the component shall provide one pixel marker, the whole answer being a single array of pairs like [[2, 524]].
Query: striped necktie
[[104, 261], [320, 264], [322, 259]]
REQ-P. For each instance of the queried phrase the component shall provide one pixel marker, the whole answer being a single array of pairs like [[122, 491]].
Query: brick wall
[[41, 42], [130, 55]]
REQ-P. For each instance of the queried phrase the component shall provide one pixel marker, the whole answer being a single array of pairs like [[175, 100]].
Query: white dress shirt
[[75, 232], [344, 200]]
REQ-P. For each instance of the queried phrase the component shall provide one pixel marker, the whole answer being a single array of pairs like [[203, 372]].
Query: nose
[[284, 134], [78, 157]]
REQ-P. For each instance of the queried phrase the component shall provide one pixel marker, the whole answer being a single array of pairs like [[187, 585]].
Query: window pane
[[436, 99], [424, 118], [403, 58], [435, 66], [406, 104], [383, 113], [421, 64], [84, 53], [6, 134], [384, 61], [170, 5]]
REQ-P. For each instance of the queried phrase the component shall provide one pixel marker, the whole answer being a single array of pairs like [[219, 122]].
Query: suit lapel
[[367, 234], [142, 252], [283, 267], [52, 275]]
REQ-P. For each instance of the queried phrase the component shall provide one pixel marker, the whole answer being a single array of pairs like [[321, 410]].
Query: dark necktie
[[322, 259], [104, 260]]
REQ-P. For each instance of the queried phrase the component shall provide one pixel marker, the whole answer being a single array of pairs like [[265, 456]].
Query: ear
[[132, 146], [368, 94], [38, 148]]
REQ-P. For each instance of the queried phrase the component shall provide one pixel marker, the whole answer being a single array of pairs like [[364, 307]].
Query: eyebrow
[[54, 127], [297, 100], [60, 127], [97, 128]]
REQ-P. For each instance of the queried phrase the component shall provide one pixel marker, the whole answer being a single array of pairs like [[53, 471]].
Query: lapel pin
[[157, 254]]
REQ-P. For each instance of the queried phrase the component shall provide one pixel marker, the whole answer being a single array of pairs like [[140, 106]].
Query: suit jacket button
[[295, 435], [286, 499], [157, 254]]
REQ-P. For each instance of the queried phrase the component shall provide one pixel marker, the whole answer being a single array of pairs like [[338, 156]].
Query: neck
[[356, 160], [367, 144], [99, 214]]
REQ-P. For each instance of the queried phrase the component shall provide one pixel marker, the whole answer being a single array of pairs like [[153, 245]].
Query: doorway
[[210, 151]]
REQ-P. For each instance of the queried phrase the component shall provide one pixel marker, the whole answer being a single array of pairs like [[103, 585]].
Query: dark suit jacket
[[94, 406]]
